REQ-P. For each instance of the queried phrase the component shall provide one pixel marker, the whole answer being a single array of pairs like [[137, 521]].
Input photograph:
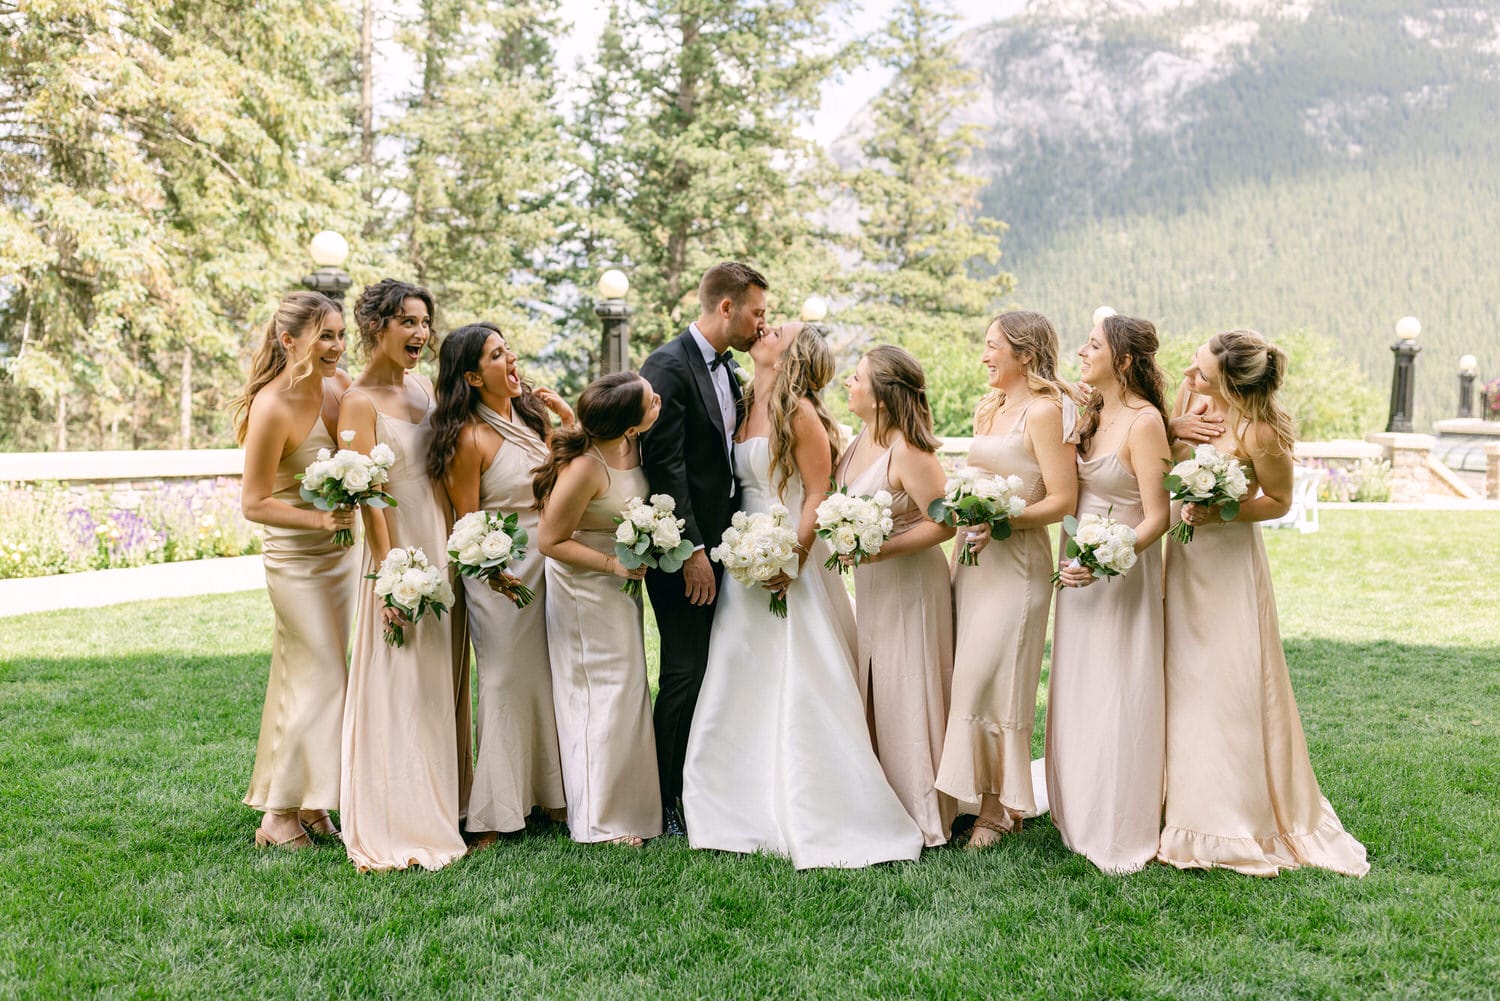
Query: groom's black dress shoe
[[672, 825]]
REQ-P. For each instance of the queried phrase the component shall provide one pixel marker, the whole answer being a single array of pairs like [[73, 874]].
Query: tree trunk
[[185, 392], [62, 422], [367, 100]]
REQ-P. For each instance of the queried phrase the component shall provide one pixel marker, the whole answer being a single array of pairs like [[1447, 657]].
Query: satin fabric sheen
[[400, 792], [904, 663], [1001, 609], [1240, 790], [598, 656], [779, 757], [311, 583], [516, 764], [1106, 706]]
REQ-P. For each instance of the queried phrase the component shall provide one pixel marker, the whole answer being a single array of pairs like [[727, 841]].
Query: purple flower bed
[[46, 529]]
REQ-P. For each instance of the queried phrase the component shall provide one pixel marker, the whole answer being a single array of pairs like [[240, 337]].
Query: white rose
[[778, 511], [665, 503], [1090, 533], [495, 545], [642, 517], [383, 585], [1015, 506], [871, 539], [625, 533], [406, 593], [883, 498], [356, 478], [1206, 454], [666, 535], [396, 557], [382, 455], [1126, 558], [1185, 468], [845, 539], [471, 555], [324, 455], [1202, 482]]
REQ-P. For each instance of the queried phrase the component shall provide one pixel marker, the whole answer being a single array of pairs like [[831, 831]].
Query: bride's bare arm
[[813, 456]]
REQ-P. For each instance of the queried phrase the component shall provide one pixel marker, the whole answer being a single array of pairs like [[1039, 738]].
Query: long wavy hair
[[457, 401], [1033, 340], [300, 314], [900, 390], [609, 406], [380, 303], [1251, 371], [1132, 346], [806, 366]]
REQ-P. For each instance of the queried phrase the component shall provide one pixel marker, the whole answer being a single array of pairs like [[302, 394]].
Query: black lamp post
[[329, 251], [614, 317], [1468, 370], [1403, 379]]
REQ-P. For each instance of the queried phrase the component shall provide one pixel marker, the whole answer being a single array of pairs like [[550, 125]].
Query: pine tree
[[927, 276], [694, 154]]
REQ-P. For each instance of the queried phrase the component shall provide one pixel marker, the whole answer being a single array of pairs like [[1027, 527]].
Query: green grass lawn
[[126, 866]]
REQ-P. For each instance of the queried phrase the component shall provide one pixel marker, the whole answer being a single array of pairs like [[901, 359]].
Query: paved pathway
[[111, 587]]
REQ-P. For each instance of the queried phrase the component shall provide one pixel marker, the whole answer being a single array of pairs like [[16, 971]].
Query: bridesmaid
[[400, 790], [1240, 788], [594, 632], [1106, 735], [489, 433], [1001, 603], [903, 598], [288, 411]]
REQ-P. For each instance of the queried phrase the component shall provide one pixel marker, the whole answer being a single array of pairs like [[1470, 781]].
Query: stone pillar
[[1411, 480], [1492, 472]]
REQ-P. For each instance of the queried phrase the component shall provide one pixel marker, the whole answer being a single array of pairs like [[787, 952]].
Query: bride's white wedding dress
[[779, 758]]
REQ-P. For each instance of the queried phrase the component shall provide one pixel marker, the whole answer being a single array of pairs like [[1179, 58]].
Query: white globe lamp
[[613, 284], [328, 249], [814, 309], [1408, 327]]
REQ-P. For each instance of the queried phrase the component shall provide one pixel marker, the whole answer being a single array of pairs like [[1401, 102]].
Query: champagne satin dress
[[311, 583], [1106, 705], [598, 655], [1240, 789], [517, 765], [904, 668], [400, 790], [1001, 609]]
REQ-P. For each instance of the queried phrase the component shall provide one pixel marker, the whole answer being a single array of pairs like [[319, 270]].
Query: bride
[[779, 758]]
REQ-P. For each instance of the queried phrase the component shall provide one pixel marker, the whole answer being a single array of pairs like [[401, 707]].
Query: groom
[[689, 455]]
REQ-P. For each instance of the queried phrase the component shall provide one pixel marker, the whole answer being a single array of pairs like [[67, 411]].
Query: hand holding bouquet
[[974, 497], [1098, 544], [760, 547], [1209, 478], [347, 478], [649, 536], [483, 544], [856, 527], [413, 587]]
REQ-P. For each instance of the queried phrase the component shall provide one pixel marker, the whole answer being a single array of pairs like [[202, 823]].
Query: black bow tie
[[719, 360]]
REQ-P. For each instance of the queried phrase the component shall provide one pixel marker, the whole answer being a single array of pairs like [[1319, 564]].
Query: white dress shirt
[[720, 377]]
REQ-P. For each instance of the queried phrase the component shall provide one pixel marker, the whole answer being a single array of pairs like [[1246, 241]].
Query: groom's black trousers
[[684, 629]]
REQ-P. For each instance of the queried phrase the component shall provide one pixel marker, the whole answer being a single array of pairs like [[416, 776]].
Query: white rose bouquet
[[1210, 478], [347, 478], [757, 547], [1099, 544], [974, 497], [856, 527], [412, 586], [483, 544], [650, 536]]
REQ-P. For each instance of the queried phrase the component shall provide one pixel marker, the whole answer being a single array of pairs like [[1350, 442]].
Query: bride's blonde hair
[[805, 367]]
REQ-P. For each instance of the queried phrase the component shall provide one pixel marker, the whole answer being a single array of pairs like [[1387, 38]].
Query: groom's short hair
[[728, 280]]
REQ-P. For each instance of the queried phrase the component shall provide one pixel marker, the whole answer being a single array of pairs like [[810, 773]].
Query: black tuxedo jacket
[[684, 453]]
